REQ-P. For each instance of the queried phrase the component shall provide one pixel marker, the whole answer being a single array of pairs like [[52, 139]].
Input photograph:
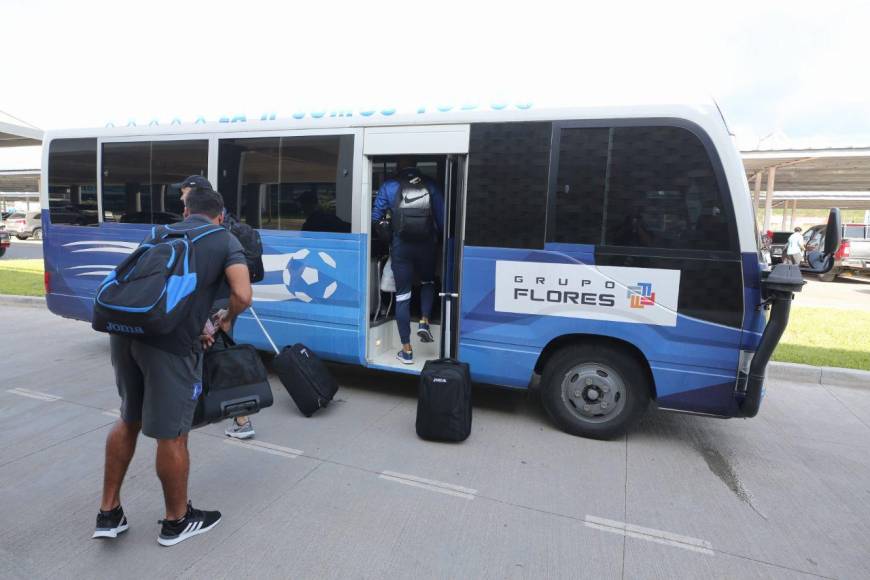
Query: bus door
[[439, 154]]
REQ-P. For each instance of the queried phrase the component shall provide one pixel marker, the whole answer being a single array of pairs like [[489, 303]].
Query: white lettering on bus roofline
[[339, 112]]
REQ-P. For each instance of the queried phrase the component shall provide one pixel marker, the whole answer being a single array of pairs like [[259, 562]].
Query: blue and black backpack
[[151, 291]]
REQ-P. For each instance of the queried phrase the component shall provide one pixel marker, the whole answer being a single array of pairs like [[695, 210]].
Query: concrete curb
[[30, 301], [784, 371]]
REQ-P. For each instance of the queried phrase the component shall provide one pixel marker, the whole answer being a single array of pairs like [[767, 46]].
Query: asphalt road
[[848, 293], [352, 492], [23, 249]]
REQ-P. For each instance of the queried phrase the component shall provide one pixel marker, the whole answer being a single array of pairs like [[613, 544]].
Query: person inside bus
[[632, 231], [317, 220], [240, 427], [413, 250]]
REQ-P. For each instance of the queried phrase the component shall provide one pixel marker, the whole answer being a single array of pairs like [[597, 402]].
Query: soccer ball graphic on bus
[[306, 275], [310, 276]]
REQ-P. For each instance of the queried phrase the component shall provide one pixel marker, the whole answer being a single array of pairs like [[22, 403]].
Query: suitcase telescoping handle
[[263, 328], [446, 346]]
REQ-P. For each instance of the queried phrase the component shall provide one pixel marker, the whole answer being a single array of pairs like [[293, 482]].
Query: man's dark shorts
[[158, 388]]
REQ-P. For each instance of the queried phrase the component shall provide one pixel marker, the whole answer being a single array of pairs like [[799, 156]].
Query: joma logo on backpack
[[115, 327], [439, 380]]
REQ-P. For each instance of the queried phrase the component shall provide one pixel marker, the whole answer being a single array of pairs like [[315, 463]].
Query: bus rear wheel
[[595, 391]]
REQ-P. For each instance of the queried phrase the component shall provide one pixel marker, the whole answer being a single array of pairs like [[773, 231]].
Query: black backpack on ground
[[234, 382], [150, 292], [251, 243], [444, 401], [413, 219], [444, 395]]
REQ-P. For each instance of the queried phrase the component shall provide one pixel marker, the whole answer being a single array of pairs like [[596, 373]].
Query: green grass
[[826, 337], [22, 277]]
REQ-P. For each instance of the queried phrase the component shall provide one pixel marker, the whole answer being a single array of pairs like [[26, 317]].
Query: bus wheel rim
[[593, 393]]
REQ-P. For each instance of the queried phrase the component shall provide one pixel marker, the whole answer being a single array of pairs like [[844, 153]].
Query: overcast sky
[[786, 73]]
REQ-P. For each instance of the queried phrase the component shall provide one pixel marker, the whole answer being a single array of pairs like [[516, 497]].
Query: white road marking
[[34, 395], [650, 534], [429, 484], [270, 448], [113, 414]]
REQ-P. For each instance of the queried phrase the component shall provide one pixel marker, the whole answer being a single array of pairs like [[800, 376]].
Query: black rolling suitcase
[[444, 396], [235, 382], [304, 375]]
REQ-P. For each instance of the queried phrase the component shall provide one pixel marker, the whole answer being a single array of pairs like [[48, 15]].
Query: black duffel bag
[[234, 382]]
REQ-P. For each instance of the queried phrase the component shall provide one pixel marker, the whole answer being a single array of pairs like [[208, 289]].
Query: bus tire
[[595, 390]]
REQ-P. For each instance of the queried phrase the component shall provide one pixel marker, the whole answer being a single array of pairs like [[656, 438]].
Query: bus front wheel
[[595, 391]]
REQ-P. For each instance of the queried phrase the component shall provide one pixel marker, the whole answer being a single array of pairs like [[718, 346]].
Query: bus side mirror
[[821, 260], [833, 233]]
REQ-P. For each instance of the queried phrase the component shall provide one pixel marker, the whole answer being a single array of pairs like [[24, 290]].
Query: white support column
[[756, 192], [785, 207], [768, 198], [791, 224]]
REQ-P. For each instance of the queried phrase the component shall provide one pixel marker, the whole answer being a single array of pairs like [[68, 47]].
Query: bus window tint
[[172, 162], [507, 184], [72, 181], [126, 179], [580, 183], [138, 178], [289, 183], [661, 192]]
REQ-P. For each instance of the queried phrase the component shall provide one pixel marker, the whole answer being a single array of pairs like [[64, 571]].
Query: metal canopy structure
[[15, 135], [811, 178]]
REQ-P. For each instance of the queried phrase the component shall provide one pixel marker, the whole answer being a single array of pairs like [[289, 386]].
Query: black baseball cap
[[197, 181]]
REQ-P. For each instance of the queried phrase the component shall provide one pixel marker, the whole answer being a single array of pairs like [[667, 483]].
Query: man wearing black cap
[[241, 427], [191, 183]]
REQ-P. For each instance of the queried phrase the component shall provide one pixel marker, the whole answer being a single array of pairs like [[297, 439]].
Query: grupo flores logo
[[641, 295], [571, 290]]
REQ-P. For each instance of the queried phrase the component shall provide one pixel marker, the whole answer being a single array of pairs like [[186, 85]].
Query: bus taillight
[[47, 282]]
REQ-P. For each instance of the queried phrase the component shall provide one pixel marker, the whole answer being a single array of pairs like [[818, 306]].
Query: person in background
[[412, 255], [795, 248], [241, 427]]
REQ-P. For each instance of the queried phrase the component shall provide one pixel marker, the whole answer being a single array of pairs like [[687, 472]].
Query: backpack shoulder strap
[[196, 235]]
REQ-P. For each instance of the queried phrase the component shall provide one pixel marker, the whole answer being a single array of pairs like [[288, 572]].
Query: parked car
[[851, 258], [4, 242], [777, 246], [25, 225]]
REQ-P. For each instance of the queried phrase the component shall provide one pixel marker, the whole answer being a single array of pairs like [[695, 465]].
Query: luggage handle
[[263, 328], [239, 408]]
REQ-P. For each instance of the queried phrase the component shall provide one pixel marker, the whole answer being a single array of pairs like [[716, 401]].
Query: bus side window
[[662, 192], [289, 183], [507, 184], [72, 182], [137, 178]]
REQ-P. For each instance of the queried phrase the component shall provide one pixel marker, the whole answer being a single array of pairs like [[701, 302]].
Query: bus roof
[[701, 111]]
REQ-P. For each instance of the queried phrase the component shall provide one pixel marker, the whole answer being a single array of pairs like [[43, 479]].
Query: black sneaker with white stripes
[[193, 523], [111, 523]]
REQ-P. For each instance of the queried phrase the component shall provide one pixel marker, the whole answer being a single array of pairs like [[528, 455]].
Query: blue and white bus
[[607, 255]]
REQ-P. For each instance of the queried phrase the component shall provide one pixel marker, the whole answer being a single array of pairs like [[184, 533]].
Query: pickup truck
[[851, 258], [777, 246]]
